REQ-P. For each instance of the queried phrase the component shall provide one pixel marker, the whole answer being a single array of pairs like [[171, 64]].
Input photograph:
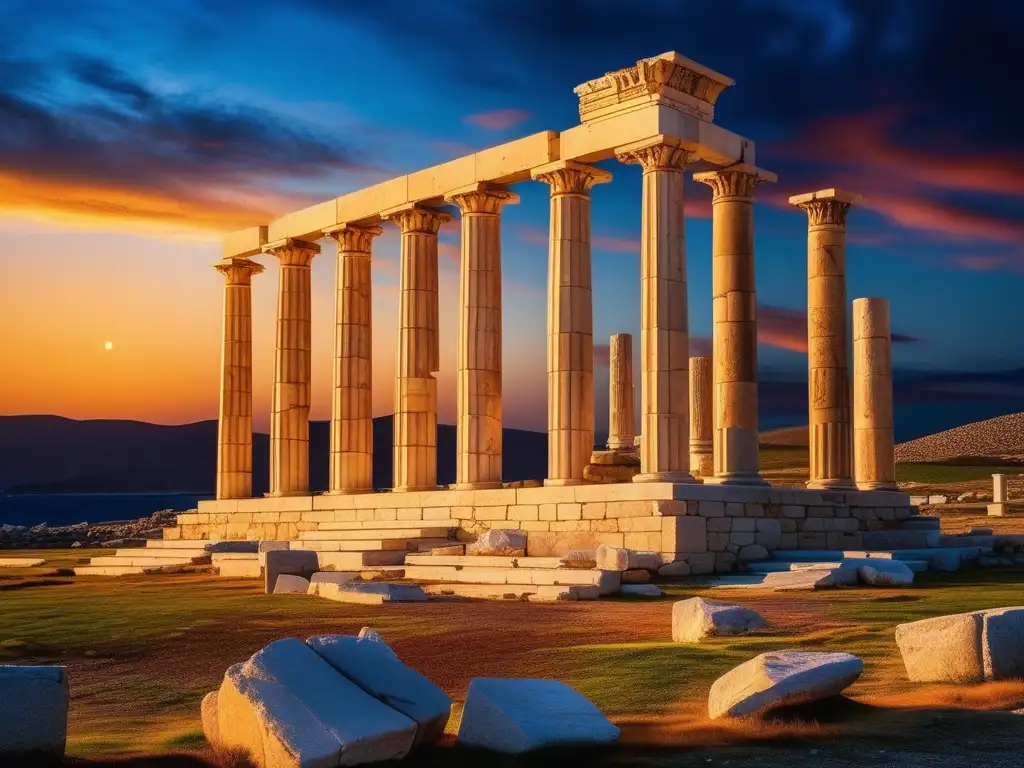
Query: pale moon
[[108, 346]]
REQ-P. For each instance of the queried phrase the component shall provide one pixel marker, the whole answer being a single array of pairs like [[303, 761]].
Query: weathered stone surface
[[805, 578], [372, 592], [619, 559], [678, 568], [1002, 643], [448, 550], [781, 678], [517, 715], [210, 718], [299, 562], [881, 572], [21, 562], [635, 576], [580, 558], [944, 648], [243, 547], [330, 577], [753, 552], [640, 590], [33, 712], [498, 542], [371, 664], [695, 619], [288, 708], [290, 584]]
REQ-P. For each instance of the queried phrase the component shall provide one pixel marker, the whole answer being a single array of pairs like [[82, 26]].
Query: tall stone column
[[621, 405], [827, 346], [234, 420], [415, 436], [701, 417], [478, 436], [874, 465], [570, 320], [351, 469], [289, 415], [735, 432], [664, 321]]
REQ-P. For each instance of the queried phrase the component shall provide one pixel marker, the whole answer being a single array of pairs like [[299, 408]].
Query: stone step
[[239, 569], [484, 561], [371, 533], [222, 557], [355, 561], [922, 523], [736, 580], [779, 566], [382, 525], [158, 562], [900, 539], [161, 554], [536, 576], [483, 591], [177, 543], [373, 545], [125, 570]]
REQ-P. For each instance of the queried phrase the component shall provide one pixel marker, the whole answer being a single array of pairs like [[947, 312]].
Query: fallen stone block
[[585, 559], [513, 716], [640, 590], [330, 577], [509, 543], [696, 619], [448, 550], [371, 664], [808, 578], [240, 547], [298, 562], [33, 713], [676, 569], [945, 561], [211, 721], [881, 572], [290, 584], [287, 707], [558, 592], [620, 559], [270, 546], [1002, 643], [781, 678], [371, 592], [635, 576]]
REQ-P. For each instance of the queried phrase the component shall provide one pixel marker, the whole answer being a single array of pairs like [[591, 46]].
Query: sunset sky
[[134, 134]]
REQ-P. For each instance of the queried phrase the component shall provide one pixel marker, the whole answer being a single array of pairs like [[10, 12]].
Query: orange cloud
[[498, 119]]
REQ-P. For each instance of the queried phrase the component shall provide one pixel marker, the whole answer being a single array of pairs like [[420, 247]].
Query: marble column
[[351, 469], [664, 321], [827, 346], [234, 422], [415, 431], [570, 320], [701, 417], [874, 465], [735, 428], [478, 436], [289, 416], [621, 397]]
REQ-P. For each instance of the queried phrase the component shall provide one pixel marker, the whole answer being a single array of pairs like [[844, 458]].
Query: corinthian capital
[[292, 252], [482, 199], [353, 239], [413, 218], [736, 181], [567, 177], [826, 207], [238, 271], [660, 154]]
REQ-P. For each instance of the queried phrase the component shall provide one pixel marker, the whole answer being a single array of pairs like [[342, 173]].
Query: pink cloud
[[615, 244], [498, 119], [602, 355], [449, 252]]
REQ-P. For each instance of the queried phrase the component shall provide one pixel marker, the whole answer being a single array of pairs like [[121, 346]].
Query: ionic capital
[[481, 199], [660, 154], [734, 182], [827, 207], [353, 239], [567, 177], [238, 271], [292, 252], [413, 218]]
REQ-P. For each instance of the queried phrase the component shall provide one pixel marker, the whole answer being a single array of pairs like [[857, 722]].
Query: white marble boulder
[[779, 679], [371, 664], [619, 559], [298, 562], [696, 619], [290, 584], [33, 713], [513, 716], [965, 647], [286, 707], [882, 572], [498, 543]]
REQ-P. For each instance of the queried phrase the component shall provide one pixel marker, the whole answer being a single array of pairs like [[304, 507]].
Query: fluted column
[[478, 436], [570, 320], [234, 419], [701, 417], [827, 346], [874, 459], [735, 431], [664, 322], [621, 406], [415, 431], [289, 414], [351, 469]]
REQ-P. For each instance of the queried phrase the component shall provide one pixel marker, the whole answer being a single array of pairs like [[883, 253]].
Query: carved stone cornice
[[484, 201], [827, 212], [353, 239], [292, 252], [417, 219], [736, 182], [566, 177], [238, 271], [656, 157]]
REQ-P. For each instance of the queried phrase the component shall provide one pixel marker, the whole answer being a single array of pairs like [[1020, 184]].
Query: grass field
[[141, 652]]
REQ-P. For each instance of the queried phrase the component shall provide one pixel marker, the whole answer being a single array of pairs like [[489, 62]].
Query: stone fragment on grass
[[881, 572], [372, 592], [330, 577], [498, 542], [33, 713], [695, 619], [514, 716], [804, 578], [290, 584], [298, 562], [781, 678]]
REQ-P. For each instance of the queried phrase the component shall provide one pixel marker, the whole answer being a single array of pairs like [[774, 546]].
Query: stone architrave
[[478, 436], [415, 441], [570, 320], [621, 407], [701, 417], [289, 417], [874, 466], [351, 469], [664, 320], [827, 346], [735, 431], [234, 424]]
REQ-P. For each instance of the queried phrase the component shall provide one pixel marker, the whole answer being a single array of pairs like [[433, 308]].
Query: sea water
[[69, 508]]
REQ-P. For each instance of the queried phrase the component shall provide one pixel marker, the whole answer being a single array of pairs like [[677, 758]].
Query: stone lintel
[[761, 174], [245, 242], [827, 194]]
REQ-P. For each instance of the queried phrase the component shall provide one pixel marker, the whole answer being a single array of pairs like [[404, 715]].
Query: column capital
[[568, 177], [415, 218], [238, 271], [661, 153], [826, 207], [293, 252], [735, 181], [352, 238], [482, 199]]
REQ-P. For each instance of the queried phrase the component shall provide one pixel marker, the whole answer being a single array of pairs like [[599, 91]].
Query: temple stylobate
[[658, 115]]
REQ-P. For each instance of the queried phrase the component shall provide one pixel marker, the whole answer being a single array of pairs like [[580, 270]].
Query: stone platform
[[705, 525]]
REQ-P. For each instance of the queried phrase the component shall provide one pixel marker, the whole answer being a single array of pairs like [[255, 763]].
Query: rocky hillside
[[790, 437], [1001, 437]]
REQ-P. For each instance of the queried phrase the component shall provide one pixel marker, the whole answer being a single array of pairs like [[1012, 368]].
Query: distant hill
[[52, 454], [1001, 437], [788, 437]]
